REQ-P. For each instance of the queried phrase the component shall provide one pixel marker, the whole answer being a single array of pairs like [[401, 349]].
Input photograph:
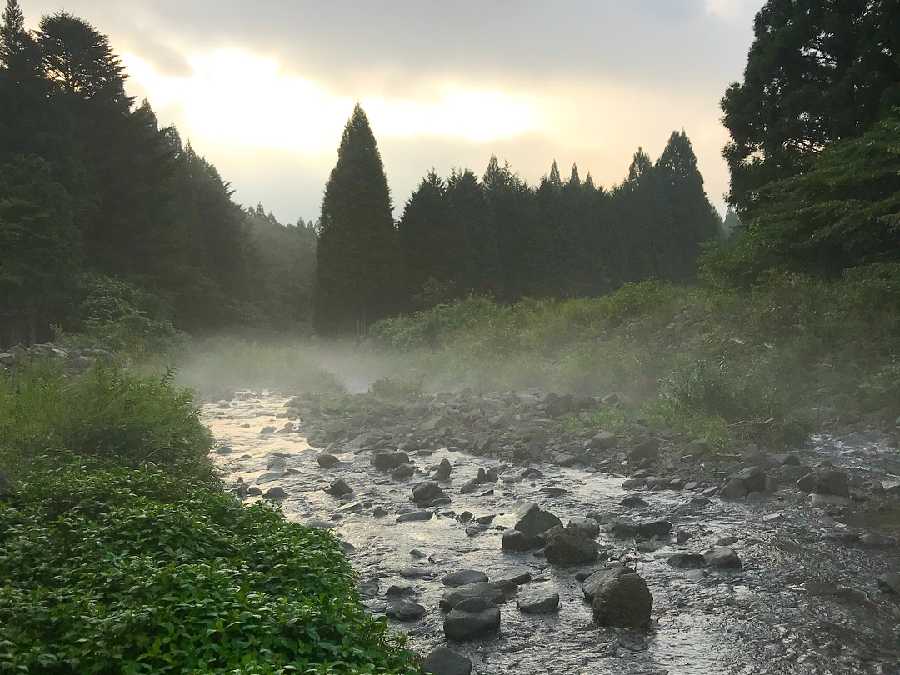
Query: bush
[[106, 413], [139, 571]]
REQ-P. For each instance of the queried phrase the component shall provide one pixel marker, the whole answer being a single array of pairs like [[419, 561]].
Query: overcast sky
[[263, 88]]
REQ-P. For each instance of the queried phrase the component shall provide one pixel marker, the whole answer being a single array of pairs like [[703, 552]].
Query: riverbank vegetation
[[107, 484]]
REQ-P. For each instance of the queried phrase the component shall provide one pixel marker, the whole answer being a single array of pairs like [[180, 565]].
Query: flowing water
[[804, 602]]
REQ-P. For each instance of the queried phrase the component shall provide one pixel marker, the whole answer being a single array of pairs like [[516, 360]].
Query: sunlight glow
[[238, 98]]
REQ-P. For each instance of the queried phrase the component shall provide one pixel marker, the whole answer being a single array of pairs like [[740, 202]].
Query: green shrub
[[109, 570], [106, 413]]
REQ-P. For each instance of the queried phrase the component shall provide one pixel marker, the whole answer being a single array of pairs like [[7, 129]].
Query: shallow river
[[804, 602]]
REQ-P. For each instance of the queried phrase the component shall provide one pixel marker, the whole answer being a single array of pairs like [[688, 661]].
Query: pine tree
[[468, 213], [357, 269], [13, 38]]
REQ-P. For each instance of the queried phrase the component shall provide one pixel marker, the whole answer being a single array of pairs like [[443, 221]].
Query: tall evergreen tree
[[468, 212], [357, 270], [13, 38]]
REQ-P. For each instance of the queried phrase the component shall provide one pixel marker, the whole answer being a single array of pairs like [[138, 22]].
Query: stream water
[[804, 601]]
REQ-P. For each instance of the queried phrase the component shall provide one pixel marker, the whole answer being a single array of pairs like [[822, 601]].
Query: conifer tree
[[13, 38], [357, 269]]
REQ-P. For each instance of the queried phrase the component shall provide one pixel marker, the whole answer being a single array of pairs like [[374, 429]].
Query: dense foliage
[[90, 185], [119, 551], [817, 72]]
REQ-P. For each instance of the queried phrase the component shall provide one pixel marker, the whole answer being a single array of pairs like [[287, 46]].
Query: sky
[[263, 89]]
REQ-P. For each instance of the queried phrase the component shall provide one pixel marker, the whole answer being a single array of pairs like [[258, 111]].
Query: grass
[[725, 365], [120, 552]]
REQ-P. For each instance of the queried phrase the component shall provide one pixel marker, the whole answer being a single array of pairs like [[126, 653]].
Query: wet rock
[[592, 582], [464, 517], [532, 473], [552, 491], [415, 573], [746, 481], [682, 536], [489, 593], [275, 493], [388, 461], [442, 473], [566, 547], [267, 430], [224, 450], [825, 482], [622, 601], [633, 502], [399, 590], [475, 530], [469, 486], [405, 610], [647, 529], [369, 588], [403, 472], [379, 512], [276, 463], [512, 582], [464, 577], [632, 483], [722, 557], [565, 459], [890, 582], [734, 489], [253, 491], [538, 601], [427, 493], [327, 461], [471, 619], [444, 661], [687, 561], [828, 500], [531, 520], [339, 488], [415, 516], [486, 520]]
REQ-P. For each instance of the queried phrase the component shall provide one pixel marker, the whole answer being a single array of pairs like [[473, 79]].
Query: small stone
[[443, 471], [403, 472], [623, 601], [538, 601], [379, 512], [566, 548], [415, 516], [463, 577], [489, 593], [722, 557], [275, 493], [471, 621], [516, 541], [633, 502], [532, 520], [444, 661], [405, 610], [327, 461], [339, 488]]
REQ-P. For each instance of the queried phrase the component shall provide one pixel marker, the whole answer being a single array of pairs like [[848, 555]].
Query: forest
[[490, 426]]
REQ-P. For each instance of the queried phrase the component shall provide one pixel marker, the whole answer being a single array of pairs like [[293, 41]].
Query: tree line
[[499, 236], [95, 194]]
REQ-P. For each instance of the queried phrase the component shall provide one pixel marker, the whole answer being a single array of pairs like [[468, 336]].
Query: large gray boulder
[[490, 594], [405, 610], [825, 482], [518, 542], [464, 577], [538, 601], [622, 600], [444, 661], [531, 520]]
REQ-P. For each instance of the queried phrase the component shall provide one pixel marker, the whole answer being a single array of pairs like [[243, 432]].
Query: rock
[[417, 554], [565, 459], [486, 520], [224, 450], [828, 500], [463, 577], [275, 493], [645, 451], [569, 548], [623, 601], [603, 440], [339, 488], [253, 491], [583, 527], [442, 473], [734, 489], [327, 461], [889, 582], [538, 601], [276, 463], [489, 593], [722, 557], [415, 516], [825, 482], [682, 536], [516, 541], [399, 590], [265, 431], [403, 472], [624, 529], [531, 520], [687, 561], [633, 502], [598, 579], [444, 661], [425, 494], [415, 573], [405, 610], [469, 486], [632, 483], [379, 512], [746, 481], [470, 620], [388, 461], [510, 583]]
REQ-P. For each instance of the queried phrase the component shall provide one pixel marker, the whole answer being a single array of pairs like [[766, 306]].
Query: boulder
[[405, 610], [327, 461], [583, 527], [603, 440], [490, 594], [425, 494], [471, 619], [633, 502], [403, 472], [275, 493], [444, 661], [647, 529], [746, 481], [569, 548], [516, 541], [531, 520], [722, 557], [622, 601], [339, 488], [463, 577], [538, 601], [825, 482], [442, 473], [388, 461], [600, 578], [889, 582]]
